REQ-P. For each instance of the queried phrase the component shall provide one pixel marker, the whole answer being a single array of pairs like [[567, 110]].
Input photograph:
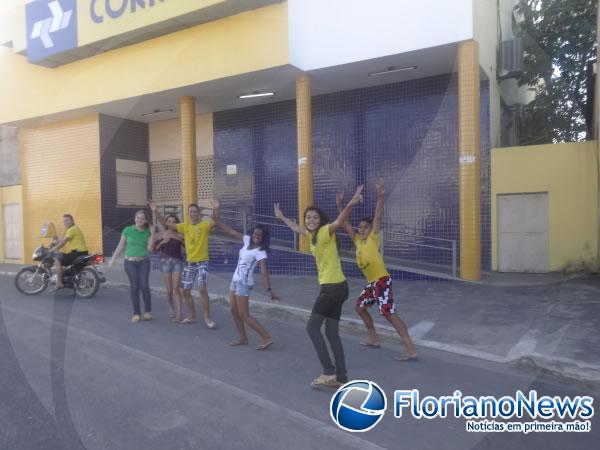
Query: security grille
[[166, 180]]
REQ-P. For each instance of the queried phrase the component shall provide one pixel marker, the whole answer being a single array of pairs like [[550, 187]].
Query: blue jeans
[[138, 273]]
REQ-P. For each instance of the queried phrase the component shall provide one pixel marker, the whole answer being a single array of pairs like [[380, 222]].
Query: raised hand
[[357, 197], [379, 187], [216, 212]]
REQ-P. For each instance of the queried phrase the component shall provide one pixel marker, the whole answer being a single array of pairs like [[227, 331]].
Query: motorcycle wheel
[[32, 280], [86, 283]]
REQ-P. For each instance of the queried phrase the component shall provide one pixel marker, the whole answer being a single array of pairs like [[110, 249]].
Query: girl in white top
[[253, 253]]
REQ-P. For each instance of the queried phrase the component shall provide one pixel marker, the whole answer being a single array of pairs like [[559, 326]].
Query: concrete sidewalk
[[551, 325]]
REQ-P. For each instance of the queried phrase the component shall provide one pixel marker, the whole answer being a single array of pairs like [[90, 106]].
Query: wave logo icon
[[358, 406], [51, 28], [42, 28]]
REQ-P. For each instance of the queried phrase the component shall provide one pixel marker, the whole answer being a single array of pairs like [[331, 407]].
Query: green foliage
[[559, 38]]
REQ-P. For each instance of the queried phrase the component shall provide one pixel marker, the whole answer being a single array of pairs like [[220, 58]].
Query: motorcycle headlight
[[37, 254]]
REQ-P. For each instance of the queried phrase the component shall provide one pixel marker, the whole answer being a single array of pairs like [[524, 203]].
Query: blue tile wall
[[223, 257], [404, 133], [119, 139]]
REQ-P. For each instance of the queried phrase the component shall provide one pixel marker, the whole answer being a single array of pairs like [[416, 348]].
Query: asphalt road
[[77, 374]]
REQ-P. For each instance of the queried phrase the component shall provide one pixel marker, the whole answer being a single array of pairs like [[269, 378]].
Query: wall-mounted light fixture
[[157, 111], [257, 94], [392, 69]]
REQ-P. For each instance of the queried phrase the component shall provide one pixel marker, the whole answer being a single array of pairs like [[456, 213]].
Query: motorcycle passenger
[[75, 244]]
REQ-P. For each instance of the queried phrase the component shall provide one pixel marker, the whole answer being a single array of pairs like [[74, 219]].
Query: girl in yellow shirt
[[379, 282], [334, 288]]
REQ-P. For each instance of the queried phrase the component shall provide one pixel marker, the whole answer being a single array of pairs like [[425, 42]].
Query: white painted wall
[[165, 138], [486, 33], [324, 33]]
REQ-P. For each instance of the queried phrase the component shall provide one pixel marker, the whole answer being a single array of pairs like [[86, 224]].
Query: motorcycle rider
[[76, 245]]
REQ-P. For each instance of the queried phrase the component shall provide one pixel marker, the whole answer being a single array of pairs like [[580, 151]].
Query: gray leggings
[[328, 309]]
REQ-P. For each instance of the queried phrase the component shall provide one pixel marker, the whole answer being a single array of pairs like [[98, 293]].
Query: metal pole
[[295, 241], [454, 272]]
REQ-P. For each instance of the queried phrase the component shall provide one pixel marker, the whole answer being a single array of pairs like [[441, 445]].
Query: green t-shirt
[[137, 241]]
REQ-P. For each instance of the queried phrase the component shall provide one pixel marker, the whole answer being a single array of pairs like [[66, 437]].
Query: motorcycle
[[84, 275]]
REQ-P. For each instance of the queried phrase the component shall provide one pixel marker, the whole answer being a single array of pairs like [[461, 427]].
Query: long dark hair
[[323, 220], [266, 236]]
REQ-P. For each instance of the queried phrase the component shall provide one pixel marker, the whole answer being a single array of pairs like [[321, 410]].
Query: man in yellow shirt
[[76, 246], [195, 273], [379, 282]]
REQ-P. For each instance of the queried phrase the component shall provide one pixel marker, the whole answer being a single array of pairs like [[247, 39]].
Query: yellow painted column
[[2, 249], [189, 185], [597, 123], [469, 160], [305, 160]]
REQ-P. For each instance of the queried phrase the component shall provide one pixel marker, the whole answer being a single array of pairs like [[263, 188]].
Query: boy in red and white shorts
[[379, 287]]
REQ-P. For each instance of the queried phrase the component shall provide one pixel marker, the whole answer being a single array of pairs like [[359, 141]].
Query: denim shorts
[[170, 265], [240, 288], [194, 274]]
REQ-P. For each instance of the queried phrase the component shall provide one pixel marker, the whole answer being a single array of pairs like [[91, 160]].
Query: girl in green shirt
[[137, 240]]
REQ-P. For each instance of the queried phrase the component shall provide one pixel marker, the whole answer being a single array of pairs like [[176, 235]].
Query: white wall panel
[[324, 33]]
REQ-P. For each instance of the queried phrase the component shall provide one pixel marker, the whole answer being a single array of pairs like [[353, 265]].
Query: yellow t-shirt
[[196, 240], [327, 258], [76, 240], [368, 257]]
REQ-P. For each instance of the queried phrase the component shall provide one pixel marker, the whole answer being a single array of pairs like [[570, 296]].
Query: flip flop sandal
[[406, 358], [261, 347], [187, 320], [367, 344]]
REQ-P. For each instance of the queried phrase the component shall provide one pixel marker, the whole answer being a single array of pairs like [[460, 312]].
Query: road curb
[[556, 366]]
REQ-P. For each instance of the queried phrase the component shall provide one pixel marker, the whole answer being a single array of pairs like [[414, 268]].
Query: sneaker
[[147, 316], [135, 318], [323, 380]]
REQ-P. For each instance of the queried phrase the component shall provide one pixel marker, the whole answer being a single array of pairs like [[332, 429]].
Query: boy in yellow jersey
[[379, 287], [195, 273]]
